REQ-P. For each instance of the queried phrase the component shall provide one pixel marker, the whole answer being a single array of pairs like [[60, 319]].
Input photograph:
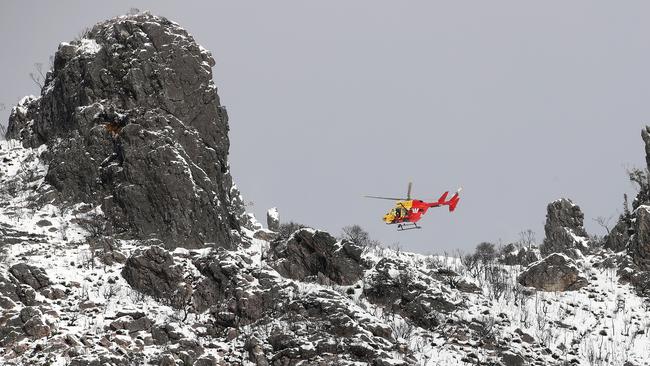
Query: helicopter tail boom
[[451, 203]]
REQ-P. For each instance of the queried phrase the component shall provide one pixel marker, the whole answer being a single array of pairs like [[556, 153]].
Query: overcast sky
[[519, 102]]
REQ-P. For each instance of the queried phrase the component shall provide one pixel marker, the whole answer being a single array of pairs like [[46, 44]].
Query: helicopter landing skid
[[411, 226]]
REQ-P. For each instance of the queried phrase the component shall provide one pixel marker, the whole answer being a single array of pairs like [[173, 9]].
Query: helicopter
[[408, 212]]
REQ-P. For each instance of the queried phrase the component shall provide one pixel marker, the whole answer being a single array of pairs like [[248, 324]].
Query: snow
[[89, 46], [273, 213]]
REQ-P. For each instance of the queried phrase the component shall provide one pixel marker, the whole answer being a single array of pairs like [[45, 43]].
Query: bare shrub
[[402, 329], [137, 297], [83, 33], [526, 238], [498, 280], [486, 330], [641, 178], [357, 235], [111, 291], [286, 229], [471, 263], [38, 76], [485, 252]]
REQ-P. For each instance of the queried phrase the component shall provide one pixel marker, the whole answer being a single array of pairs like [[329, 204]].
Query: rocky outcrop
[[564, 229], [320, 315], [153, 271], [619, 236], [401, 289], [273, 219], [142, 131], [557, 272], [639, 244], [316, 255], [231, 285]]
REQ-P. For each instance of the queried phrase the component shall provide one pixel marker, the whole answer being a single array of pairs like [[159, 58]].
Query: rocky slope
[[123, 241]]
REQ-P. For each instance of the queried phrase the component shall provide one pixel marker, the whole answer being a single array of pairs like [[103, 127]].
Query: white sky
[[519, 102]]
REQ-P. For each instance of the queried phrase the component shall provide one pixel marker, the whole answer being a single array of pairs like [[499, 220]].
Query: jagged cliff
[[123, 241], [132, 121]]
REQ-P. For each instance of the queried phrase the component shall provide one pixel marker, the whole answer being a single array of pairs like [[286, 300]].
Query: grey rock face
[[30, 275], [153, 271], [639, 245], [564, 229], [619, 235], [556, 272], [310, 254], [142, 129]]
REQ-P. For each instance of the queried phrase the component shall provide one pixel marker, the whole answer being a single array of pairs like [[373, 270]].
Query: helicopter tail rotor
[[453, 201]]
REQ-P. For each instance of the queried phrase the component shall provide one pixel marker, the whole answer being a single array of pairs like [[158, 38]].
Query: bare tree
[[111, 291], [286, 229], [358, 236], [485, 252], [641, 178], [95, 225], [38, 77], [527, 238], [603, 222]]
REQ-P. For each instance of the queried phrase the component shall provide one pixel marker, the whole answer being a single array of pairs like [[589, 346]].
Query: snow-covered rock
[[564, 230], [273, 219], [316, 255]]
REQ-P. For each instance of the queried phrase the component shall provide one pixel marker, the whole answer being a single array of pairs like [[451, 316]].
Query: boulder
[[26, 295], [30, 275], [8, 288], [564, 229], [265, 234], [35, 327], [513, 359], [311, 254], [256, 351], [153, 271], [557, 272], [133, 122]]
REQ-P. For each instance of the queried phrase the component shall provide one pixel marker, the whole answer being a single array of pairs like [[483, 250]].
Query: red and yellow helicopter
[[408, 212]]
